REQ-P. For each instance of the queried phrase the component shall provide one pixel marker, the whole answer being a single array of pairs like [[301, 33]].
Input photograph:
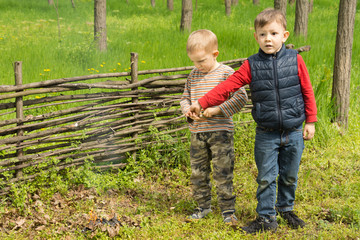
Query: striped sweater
[[197, 85]]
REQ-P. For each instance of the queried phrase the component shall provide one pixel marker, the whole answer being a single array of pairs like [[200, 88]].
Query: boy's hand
[[193, 116], [309, 131], [195, 109], [212, 111]]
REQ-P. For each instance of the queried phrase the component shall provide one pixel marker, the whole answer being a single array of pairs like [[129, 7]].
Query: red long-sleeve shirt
[[242, 77]]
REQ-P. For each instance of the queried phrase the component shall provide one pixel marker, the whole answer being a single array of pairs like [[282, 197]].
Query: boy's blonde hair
[[202, 39], [269, 15]]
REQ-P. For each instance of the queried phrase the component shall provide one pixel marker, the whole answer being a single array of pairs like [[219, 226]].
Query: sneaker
[[229, 217], [261, 224], [198, 214], [293, 221]]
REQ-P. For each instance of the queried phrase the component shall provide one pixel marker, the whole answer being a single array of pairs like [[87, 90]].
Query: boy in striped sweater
[[212, 138]]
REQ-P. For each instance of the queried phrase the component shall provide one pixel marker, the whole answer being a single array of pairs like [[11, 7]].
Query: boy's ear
[[286, 35], [216, 53], [255, 36]]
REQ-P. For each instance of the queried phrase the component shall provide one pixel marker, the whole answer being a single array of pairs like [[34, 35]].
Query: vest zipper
[[277, 92]]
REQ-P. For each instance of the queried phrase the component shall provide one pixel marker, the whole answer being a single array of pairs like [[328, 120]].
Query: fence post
[[19, 110], [134, 78]]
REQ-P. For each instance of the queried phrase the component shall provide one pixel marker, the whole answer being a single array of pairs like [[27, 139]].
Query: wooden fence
[[65, 122]]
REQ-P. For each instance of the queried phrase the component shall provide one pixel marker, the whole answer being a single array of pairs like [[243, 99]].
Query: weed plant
[[329, 182]]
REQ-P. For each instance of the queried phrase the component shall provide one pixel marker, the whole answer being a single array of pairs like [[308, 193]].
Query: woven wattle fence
[[102, 118]]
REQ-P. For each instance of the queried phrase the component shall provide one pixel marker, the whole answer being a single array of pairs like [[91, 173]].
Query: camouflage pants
[[216, 148]]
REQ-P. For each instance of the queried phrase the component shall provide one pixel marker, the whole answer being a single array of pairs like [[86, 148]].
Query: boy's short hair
[[202, 39], [269, 15]]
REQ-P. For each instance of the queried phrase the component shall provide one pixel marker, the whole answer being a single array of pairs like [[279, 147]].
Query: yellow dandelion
[[97, 70], [143, 61], [126, 69], [37, 97], [119, 64], [92, 69], [41, 74], [101, 65], [103, 62]]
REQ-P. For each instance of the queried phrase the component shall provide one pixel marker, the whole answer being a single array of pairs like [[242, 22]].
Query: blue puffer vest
[[276, 91]]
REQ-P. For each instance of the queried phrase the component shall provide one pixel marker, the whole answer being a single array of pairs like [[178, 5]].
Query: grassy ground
[[152, 196], [152, 201]]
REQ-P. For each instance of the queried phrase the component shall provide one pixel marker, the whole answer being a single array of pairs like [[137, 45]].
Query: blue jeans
[[277, 157]]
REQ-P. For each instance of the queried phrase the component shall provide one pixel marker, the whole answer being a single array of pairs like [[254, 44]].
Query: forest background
[[152, 195]]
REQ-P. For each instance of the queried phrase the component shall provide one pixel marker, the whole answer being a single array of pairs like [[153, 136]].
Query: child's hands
[[195, 109], [193, 116], [212, 111], [309, 131]]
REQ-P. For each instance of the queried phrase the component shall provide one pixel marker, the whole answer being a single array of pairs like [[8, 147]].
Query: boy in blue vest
[[283, 99]]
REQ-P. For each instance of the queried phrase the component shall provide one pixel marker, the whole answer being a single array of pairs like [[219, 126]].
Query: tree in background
[[256, 2], [291, 2], [170, 4], [301, 18], [100, 24], [342, 63], [186, 15], [281, 5], [234, 2], [51, 2], [153, 3], [227, 7], [311, 4]]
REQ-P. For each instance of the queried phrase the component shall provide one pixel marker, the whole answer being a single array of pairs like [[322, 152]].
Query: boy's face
[[203, 60], [271, 37]]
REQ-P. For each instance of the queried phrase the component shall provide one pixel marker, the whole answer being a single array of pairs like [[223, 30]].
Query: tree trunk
[[73, 4], [170, 4], [301, 18], [256, 2], [153, 3], [291, 2], [311, 4], [100, 24], [228, 7], [51, 2], [342, 62], [186, 15], [281, 5], [234, 2]]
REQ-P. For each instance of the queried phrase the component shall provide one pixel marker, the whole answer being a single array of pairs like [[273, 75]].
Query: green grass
[[32, 37], [329, 180]]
